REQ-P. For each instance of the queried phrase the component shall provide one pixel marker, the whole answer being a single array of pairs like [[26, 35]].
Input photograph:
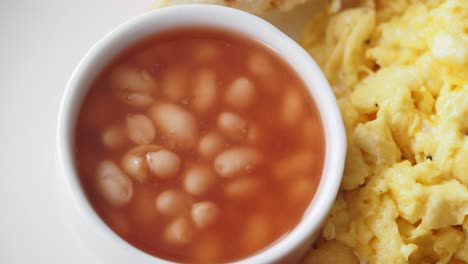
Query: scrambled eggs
[[399, 70]]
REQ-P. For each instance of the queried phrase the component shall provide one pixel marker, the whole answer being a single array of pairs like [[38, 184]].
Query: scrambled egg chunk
[[399, 70]]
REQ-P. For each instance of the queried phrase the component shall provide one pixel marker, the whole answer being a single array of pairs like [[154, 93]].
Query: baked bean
[[115, 187], [210, 145], [208, 249], [260, 64], [114, 137], [232, 125], [256, 232], [204, 214], [310, 131], [236, 160], [140, 129], [205, 53], [163, 163], [301, 190], [270, 84], [292, 107], [125, 78], [135, 164], [179, 232], [134, 86], [175, 83], [297, 164], [254, 135], [204, 91], [240, 94], [198, 180], [173, 203], [242, 189], [139, 99], [176, 124]]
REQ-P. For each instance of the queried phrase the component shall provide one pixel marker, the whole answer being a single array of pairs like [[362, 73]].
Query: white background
[[40, 44]]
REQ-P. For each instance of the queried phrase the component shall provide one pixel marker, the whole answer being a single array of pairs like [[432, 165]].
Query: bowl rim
[[138, 27]]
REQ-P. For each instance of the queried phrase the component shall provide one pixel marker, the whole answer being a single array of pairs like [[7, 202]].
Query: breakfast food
[[254, 6], [199, 146], [399, 70]]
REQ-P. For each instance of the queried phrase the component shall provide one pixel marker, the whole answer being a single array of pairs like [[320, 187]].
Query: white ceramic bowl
[[93, 231]]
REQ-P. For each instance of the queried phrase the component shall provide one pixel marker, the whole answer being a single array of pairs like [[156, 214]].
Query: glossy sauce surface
[[199, 146]]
